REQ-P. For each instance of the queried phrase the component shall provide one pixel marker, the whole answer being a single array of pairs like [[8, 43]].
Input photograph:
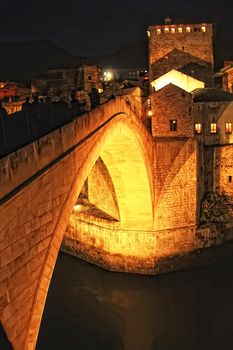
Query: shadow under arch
[[123, 148]]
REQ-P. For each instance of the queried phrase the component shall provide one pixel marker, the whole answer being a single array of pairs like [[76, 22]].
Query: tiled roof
[[211, 95]]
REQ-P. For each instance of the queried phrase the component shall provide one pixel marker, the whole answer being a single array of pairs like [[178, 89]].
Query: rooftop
[[224, 69], [179, 22], [211, 95]]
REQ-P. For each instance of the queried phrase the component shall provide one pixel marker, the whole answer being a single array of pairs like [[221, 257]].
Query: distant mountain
[[19, 61], [133, 56]]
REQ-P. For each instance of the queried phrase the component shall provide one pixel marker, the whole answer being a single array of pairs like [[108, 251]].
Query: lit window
[[173, 125], [198, 128], [149, 103], [180, 30], [148, 33], [173, 30], [188, 29], [159, 31], [166, 30], [203, 29], [228, 128], [213, 128]]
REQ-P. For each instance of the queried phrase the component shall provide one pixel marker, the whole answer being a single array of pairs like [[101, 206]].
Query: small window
[[180, 30], [213, 128], [199, 108], [228, 128], [188, 29], [89, 77], [203, 29], [229, 178], [166, 30], [158, 31], [173, 30], [173, 125], [198, 128]]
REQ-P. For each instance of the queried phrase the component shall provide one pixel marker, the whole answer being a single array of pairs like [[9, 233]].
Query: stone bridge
[[123, 201]]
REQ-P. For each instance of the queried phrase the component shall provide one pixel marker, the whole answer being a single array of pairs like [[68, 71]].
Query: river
[[89, 308]]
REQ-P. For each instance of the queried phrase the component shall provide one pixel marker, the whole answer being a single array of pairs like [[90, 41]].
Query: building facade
[[184, 106], [13, 95], [63, 81], [182, 46], [226, 76]]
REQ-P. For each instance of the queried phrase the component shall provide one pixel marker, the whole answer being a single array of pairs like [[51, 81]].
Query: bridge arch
[[123, 148]]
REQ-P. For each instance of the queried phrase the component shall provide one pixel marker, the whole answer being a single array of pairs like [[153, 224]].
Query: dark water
[[91, 309]]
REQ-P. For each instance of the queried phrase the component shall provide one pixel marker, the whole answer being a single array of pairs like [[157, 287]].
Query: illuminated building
[[174, 46], [226, 75], [121, 74], [13, 95], [179, 79], [62, 81]]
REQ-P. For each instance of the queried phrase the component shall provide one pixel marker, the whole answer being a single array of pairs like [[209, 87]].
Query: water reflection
[[89, 308]]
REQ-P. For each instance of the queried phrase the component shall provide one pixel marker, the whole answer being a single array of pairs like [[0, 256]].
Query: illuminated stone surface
[[154, 182], [195, 46], [179, 79]]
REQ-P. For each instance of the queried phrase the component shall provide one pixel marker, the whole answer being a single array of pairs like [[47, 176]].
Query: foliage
[[216, 208]]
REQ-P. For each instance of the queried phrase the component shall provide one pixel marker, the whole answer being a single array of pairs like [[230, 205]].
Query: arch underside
[[124, 158], [121, 148]]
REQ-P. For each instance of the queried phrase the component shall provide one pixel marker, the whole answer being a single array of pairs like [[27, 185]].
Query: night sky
[[99, 27]]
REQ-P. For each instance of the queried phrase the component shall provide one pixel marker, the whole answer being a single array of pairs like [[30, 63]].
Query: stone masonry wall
[[101, 192], [171, 103], [198, 44], [223, 169], [177, 50], [175, 173], [185, 63], [134, 251]]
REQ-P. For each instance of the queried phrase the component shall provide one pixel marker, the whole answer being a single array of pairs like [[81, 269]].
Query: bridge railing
[[25, 127]]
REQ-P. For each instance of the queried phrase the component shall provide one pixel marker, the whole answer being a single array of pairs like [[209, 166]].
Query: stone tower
[[184, 47]]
